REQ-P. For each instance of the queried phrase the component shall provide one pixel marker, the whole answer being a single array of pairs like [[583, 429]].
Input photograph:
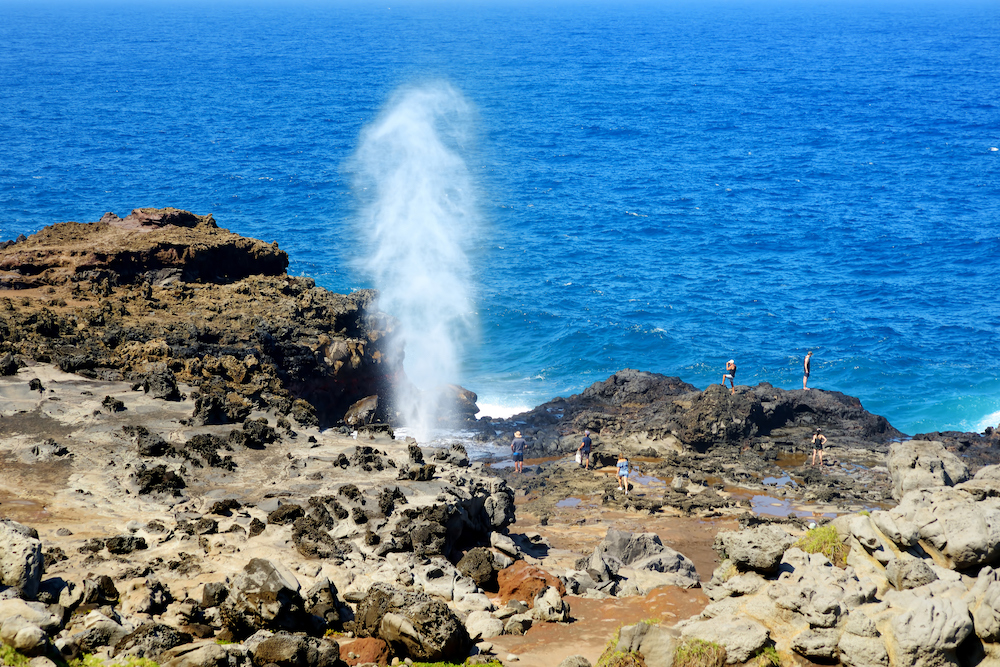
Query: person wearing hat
[[517, 448], [818, 441], [730, 375], [584, 449]]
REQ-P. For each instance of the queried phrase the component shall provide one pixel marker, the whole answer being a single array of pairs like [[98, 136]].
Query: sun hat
[[517, 434]]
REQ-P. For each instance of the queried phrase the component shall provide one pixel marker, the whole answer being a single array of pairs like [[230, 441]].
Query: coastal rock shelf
[[199, 468]]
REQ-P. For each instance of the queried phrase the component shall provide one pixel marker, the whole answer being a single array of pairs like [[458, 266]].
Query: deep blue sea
[[661, 186]]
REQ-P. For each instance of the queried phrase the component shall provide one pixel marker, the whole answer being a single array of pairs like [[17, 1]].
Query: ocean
[[661, 186]]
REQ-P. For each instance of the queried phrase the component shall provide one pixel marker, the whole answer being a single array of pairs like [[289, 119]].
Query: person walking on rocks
[[584, 449], [805, 370], [730, 375], [517, 449], [818, 441], [623, 473]]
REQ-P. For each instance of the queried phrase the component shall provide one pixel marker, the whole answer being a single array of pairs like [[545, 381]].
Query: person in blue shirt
[[623, 472], [517, 448]]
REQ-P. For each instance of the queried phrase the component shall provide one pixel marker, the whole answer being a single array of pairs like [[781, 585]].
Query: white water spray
[[418, 217]]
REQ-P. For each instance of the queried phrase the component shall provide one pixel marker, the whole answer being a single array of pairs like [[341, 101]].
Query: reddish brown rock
[[524, 582], [365, 651]]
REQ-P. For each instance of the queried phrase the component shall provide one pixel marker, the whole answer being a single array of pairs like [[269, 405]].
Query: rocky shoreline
[[198, 467]]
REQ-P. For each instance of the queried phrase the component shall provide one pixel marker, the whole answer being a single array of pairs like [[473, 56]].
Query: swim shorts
[[518, 457]]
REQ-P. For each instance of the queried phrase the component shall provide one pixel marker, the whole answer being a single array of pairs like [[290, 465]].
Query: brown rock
[[524, 582], [365, 651]]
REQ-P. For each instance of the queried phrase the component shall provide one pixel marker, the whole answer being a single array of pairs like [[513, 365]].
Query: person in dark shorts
[[517, 449], [584, 449], [818, 441], [805, 370], [730, 375]]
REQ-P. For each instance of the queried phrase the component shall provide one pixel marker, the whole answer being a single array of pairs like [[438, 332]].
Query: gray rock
[[23, 636], [98, 630], [742, 637], [21, 560], [986, 609], [34, 613], [288, 650], [856, 651], [517, 624], [923, 464], [483, 625], [963, 530], [577, 661], [630, 547], [262, 596], [909, 573], [817, 643], [898, 529], [927, 633], [759, 548], [656, 643], [550, 607], [505, 544], [205, 653], [149, 641]]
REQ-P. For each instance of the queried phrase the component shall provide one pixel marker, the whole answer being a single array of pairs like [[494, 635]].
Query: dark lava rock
[[256, 527], [112, 404], [159, 480], [125, 544], [479, 565], [417, 626], [213, 594], [161, 384], [256, 434], [285, 514], [149, 640], [225, 507]]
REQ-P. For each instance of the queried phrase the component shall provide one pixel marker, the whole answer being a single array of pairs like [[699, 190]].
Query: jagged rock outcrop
[[165, 296]]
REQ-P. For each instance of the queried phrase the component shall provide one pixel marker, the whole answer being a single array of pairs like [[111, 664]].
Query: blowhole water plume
[[418, 214]]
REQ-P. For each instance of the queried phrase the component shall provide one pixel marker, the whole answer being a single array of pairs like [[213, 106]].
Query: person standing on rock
[[623, 472], [818, 441], [730, 375], [805, 370], [584, 449], [517, 449]]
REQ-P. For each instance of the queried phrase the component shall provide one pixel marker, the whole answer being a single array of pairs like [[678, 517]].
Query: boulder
[[204, 653], [927, 633], [150, 640], [742, 637], [909, 573], [287, 650], [550, 607], [413, 624], [921, 464], [656, 643], [964, 531], [366, 651], [483, 625], [262, 596], [759, 548], [21, 560], [479, 565], [525, 582]]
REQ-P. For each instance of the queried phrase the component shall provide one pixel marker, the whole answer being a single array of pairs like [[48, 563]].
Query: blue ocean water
[[661, 186]]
